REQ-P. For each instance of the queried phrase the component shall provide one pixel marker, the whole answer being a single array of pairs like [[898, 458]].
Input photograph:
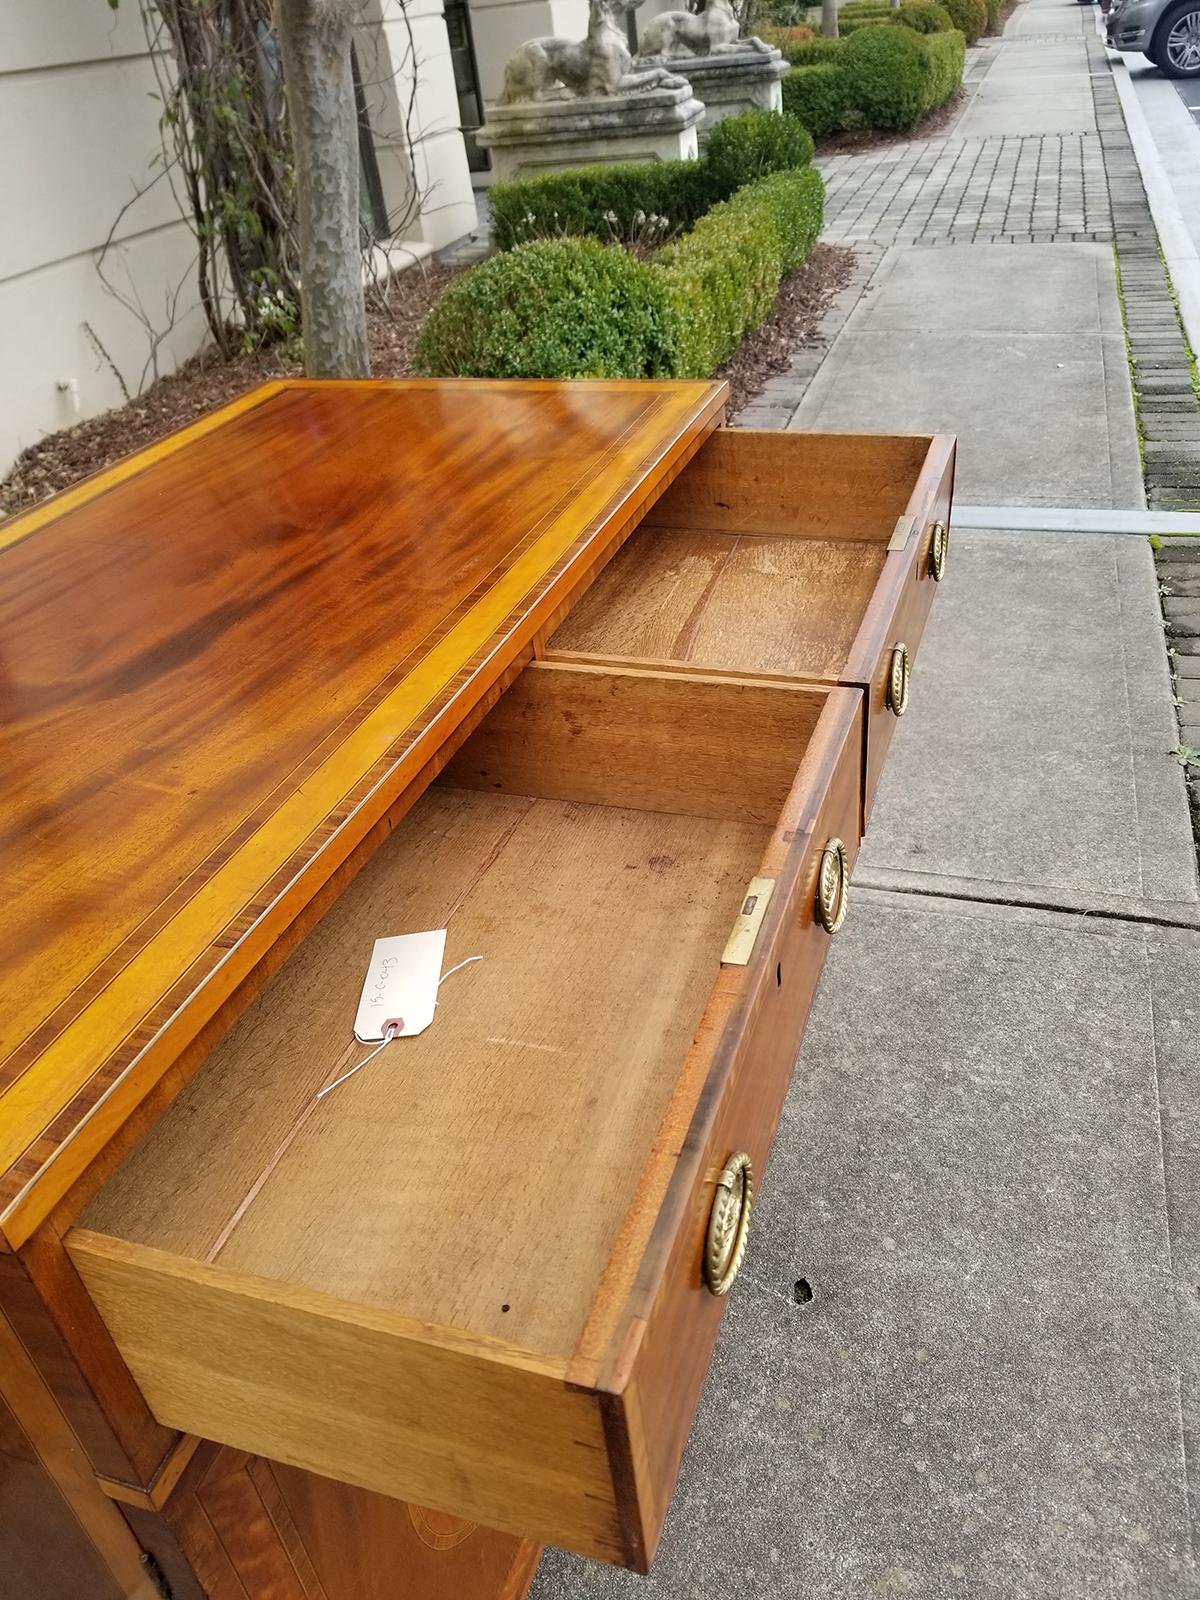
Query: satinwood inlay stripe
[[224, 656]]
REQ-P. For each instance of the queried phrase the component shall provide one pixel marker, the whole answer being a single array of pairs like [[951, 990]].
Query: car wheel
[[1176, 47]]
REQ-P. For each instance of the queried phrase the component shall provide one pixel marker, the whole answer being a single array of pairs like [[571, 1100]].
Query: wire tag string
[[392, 1030]]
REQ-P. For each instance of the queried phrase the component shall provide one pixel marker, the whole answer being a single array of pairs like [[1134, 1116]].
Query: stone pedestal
[[736, 80], [539, 136]]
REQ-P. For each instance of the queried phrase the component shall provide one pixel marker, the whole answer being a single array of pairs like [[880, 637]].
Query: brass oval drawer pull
[[899, 675], [833, 886], [729, 1223], [939, 550]]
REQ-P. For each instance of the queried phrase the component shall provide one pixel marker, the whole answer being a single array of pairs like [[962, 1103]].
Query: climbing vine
[[226, 154]]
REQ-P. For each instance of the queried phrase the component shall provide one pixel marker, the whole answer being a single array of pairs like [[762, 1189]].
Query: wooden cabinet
[[435, 1281], [371, 664]]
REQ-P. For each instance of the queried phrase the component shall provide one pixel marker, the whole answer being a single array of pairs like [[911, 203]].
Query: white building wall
[[78, 135], [390, 51]]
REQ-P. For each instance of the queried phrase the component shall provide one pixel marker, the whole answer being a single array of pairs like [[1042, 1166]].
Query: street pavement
[[988, 1169]]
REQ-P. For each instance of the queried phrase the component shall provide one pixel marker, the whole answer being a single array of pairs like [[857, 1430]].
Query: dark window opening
[[466, 81], [372, 209]]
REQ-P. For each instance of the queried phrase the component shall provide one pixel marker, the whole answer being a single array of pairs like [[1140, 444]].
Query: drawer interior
[[762, 557], [592, 842]]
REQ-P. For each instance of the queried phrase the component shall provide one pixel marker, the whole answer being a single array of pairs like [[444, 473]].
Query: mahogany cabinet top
[[222, 659]]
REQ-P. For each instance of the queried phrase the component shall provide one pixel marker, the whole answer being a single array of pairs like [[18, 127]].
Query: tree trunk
[[314, 40], [829, 22]]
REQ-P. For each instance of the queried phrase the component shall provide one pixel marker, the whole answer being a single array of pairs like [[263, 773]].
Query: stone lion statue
[[542, 69], [714, 31]]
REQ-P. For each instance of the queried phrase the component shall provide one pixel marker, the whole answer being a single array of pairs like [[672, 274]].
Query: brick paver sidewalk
[[1039, 188]]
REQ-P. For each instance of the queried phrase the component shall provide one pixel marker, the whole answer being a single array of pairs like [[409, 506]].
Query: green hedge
[[923, 17], [856, 11], [571, 308], [853, 24], [970, 17], [945, 58], [744, 148], [884, 69], [819, 97], [811, 52], [553, 308], [796, 201], [579, 202], [605, 201], [722, 279], [880, 77]]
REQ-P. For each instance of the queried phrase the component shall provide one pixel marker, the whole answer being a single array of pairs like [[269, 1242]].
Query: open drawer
[[806, 555], [482, 1273]]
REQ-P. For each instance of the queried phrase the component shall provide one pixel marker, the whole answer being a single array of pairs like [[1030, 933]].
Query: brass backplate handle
[[939, 550], [729, 1223], [833, 886], [899, 675]]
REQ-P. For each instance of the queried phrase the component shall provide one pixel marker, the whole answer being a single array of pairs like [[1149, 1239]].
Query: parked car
[[1168, 31]]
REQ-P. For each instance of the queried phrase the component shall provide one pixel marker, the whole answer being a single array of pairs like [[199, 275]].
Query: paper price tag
[[401, 985]]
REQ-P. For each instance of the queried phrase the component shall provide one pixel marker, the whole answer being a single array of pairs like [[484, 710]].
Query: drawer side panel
[[899, 609], [656, 1377]]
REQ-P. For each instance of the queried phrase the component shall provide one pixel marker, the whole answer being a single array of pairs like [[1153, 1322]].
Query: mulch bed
[[794, 323], [863, 139], [205, 382]]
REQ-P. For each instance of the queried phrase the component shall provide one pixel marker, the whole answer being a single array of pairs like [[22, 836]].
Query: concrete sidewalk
[[988, 1171], [1017, 348]]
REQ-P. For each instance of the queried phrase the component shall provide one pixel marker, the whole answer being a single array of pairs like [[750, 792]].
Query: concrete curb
[[1063, 519], [1179, 252]]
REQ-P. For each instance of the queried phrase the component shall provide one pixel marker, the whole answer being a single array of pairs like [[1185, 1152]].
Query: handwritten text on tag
[[400, 989]]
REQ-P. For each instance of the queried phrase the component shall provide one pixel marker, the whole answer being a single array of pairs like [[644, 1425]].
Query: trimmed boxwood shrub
[[744, 148], [853, 24], [924, 17], [877, 82], [722, 279], [721, 282], [884, 69], [572, 308], [819, 97], [945, 57], [811, 52], [604, 201], [553, 308], [970, 17], [578, 201], [796, 201], [994, 7], [787, 38], [856, 11]]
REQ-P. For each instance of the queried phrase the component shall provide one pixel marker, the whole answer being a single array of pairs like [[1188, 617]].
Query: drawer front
[[895, 620], [656, 1381], [431, 1416]]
